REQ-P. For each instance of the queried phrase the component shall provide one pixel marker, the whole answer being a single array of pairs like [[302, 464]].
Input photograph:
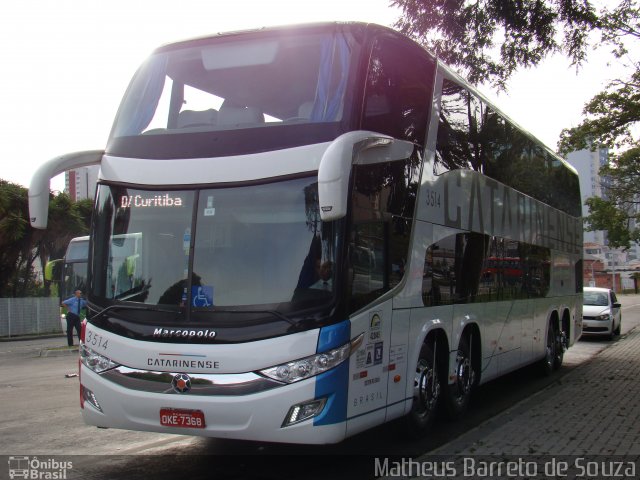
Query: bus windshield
[[74, 274], [237, 82], [208, 248]]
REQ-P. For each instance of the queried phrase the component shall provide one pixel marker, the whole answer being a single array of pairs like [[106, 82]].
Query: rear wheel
[[426, 391], [458, 393], [561, 345], [547, 364]]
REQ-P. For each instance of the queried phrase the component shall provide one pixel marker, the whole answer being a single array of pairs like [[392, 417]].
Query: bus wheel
[[426, 392], [547, 364], [458, 393], [561, 346]]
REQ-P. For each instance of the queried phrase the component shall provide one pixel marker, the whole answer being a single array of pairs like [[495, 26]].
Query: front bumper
[[256, 416], [596, 327]]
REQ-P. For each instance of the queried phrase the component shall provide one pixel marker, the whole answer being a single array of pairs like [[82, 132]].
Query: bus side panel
[[491, 327], [511, 315], [562, 274], [543, 308], [399, 374], [368, 368]]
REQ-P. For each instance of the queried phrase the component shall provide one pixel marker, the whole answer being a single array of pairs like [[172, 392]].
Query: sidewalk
[[592, 414], [593, 410], [37, 346]]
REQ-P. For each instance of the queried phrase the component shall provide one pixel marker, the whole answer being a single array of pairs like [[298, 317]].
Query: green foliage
[[21, 245], [490, 39], [606, 216], [610, 118], [619, 213]]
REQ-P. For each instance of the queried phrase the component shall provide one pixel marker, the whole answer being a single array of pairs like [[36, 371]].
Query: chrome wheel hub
[[426, 388]]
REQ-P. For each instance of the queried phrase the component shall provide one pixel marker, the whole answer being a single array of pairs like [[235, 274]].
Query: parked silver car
[[601, 312]]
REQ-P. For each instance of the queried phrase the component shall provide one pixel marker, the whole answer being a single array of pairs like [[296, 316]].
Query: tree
[[487, 40], [618, 213], [611, 120], [15, 237], [21, 245], [490, 39]]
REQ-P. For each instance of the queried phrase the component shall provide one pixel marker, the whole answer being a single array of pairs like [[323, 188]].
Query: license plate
[[179, 418]]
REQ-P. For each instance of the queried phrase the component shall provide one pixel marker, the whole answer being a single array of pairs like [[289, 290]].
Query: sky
[[65, 65]]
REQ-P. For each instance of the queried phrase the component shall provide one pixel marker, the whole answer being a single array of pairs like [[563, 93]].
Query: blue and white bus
[[333, 230]]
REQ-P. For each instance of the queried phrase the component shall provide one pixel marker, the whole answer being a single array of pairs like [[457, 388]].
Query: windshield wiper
[[275, 313], [146, 308]]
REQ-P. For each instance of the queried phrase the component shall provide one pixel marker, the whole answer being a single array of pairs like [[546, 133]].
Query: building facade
[[81, 182], [588, 164]]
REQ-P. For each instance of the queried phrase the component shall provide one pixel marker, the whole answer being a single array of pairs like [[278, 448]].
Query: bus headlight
[[94, 361], [307, 367]]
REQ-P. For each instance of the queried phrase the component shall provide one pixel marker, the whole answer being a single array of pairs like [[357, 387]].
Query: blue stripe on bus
[[333, 336], [334, 384]]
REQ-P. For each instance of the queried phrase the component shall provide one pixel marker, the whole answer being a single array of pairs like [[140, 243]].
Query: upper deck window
[[474, 136], [398, 90], [235, 83]]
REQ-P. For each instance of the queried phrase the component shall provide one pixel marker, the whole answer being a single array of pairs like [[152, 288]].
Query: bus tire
[[561, 346], [548, 362], [426, 392], [458, 393]]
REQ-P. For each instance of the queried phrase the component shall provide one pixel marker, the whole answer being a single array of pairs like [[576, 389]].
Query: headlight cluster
[[93, 360], [297, 370], [604, 316]]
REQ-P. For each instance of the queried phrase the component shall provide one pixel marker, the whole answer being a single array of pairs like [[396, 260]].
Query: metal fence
[[28, 316]]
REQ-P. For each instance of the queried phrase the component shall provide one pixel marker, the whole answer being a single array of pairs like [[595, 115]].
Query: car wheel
[[612, 334], [426, 392], [458, 393]]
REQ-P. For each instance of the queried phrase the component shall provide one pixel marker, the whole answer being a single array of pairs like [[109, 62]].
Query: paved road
[[43, 418]]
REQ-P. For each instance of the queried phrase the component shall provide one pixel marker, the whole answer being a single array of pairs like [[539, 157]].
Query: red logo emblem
[[181, 383]]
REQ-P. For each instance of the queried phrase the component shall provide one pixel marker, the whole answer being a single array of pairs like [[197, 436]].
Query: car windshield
[[598, 299], [209, 248]]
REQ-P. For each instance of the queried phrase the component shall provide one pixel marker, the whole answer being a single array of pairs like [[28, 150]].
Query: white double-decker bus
[[332, 230]]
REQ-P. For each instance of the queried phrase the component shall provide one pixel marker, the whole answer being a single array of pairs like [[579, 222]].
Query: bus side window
[[398, 91], [439, 278], [383, 200], [367, 258]]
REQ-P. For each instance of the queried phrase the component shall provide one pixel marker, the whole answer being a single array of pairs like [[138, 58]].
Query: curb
[[31, 337], [59, 353]]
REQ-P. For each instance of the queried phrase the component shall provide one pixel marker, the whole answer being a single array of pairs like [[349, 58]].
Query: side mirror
[[39, 187], [617, 305], [52, 270], [352, 148]]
